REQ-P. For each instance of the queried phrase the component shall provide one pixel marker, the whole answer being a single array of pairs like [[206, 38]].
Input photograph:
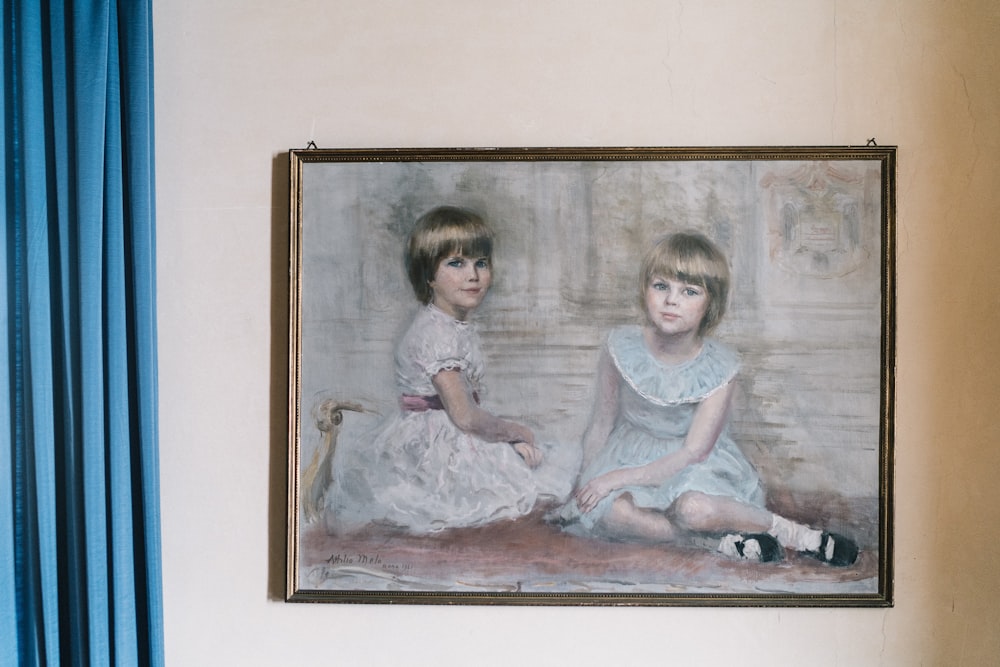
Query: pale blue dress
[[657, 403], [418, 472]]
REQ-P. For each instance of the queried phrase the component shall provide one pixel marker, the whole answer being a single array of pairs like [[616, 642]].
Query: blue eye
[[482, 263], [456, 262], [659, 285]]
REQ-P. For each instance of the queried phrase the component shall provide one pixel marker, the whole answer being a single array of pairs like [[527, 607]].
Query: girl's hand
[[596, 490], [532, 455], [522, 434]]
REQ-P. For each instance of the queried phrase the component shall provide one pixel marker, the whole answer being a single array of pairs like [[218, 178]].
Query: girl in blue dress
[[659, 463]]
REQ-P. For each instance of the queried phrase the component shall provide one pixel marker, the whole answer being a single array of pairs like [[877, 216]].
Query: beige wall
[[238, 82]]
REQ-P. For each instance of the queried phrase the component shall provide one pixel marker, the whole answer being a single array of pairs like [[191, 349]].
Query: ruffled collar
[[663, 384]]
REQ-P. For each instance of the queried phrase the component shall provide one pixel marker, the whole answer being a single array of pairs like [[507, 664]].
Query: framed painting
[[592, 376]]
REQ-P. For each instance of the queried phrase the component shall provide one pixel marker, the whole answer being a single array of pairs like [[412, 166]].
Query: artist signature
[[367, 560]]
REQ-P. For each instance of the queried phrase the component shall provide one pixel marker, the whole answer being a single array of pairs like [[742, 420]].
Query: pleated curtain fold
[[79, 494]]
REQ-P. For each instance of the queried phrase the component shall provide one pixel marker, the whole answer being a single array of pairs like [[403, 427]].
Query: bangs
[[467, 242], [467, 238], [688, 265]]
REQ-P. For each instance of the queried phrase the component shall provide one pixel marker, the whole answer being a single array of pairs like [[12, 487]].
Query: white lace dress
[[419, 472], [657, 403]]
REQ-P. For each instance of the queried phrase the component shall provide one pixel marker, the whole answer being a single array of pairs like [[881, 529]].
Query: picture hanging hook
[[871, 142]]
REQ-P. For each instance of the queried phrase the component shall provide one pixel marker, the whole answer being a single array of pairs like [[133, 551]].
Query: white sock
[[795, 535]]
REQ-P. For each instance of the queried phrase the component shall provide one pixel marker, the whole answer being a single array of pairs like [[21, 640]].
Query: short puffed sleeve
[[435, 342]]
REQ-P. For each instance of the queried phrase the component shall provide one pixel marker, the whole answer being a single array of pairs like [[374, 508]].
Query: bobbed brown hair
[[442, 232]]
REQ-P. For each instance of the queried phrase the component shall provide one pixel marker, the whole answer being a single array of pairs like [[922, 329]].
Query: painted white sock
[[795, 535], [748, 549]]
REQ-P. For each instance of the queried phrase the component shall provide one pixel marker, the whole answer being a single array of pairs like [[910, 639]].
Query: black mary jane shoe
[[757, 547], [836, 550]]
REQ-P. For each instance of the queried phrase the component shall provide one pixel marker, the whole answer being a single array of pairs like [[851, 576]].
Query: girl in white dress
[[443, 461], [659, 464]]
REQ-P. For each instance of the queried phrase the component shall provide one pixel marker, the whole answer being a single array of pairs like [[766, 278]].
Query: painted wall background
[[239, 82]]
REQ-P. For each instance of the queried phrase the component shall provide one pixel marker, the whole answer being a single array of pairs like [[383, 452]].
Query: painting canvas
[[808, 234]]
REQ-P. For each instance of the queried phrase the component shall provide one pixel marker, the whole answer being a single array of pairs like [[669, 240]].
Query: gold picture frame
[[810, 237]]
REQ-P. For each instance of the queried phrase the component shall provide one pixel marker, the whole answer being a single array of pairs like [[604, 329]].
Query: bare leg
[[626, 521], [697, 512], [703, 513], [746, 524]]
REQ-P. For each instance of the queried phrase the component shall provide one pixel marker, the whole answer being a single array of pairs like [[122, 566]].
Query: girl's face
[[460, 284], [675, 308]]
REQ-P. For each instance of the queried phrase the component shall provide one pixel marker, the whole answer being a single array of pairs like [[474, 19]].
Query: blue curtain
[[80, 576]]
